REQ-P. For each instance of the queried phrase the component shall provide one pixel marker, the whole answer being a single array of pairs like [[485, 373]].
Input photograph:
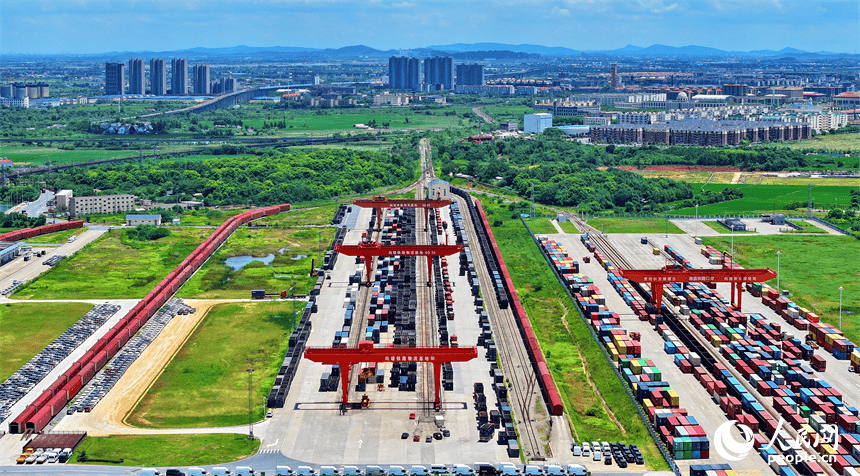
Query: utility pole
[[250, 406]]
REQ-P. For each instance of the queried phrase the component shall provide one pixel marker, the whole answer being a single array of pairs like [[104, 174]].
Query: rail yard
[[413, 348]]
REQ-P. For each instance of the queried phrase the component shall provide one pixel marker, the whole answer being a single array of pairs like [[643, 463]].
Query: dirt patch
[[597, 392]]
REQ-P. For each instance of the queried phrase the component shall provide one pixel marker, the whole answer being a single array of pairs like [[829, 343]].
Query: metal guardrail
[[666, 455], [831, 225]]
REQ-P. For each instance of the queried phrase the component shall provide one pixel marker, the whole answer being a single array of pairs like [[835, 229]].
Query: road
[[34, 208]]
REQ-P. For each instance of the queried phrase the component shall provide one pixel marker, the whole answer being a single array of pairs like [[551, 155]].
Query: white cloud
[[403, 4], [564, 12]]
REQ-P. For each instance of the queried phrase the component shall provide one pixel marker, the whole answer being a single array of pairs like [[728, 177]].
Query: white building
[[596, 120], [440, 190], [637, 118], [100, 204], [388, 99], [16, 102], [135, 220], [537, 122], [63, 198]]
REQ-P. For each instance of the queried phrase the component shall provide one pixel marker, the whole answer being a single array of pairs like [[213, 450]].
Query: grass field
[[34, 155], [746, 178], [568, 351], [216, 280], [26, 328], [835, 142], [165, 450], [541, 226], [508, 113], [712, 224], [806, 227], [811, 267], [58, 237], [206, 384], [568, 227], [760, 199], [113, 267], [633, 225], [301, 216]]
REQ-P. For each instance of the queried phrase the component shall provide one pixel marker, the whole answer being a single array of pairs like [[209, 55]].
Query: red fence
[[39, 413], [556, 407]]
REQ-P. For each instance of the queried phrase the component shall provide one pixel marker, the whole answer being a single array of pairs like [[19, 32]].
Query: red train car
[[100, 359], [72, 388], [40, 419]]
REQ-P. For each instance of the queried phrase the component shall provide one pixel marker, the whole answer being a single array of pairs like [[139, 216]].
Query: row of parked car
[[479, 469], [42, 455], [621, 453]]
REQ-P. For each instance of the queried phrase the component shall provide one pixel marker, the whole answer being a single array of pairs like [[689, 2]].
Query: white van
[[577, 470], [462, 469], [283, 471], [397, 471], [418, 471], [305, 471], [351, 471], [553, 470], [374, 471], [149, 472], [197, 472], [221, 471], [508, 469], [438, 469], [329, 471], [532, 470], [244, 471]]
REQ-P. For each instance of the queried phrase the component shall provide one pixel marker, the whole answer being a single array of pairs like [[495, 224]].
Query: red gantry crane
[[671, 274], [380, 202], [368, 250], [366, 352]]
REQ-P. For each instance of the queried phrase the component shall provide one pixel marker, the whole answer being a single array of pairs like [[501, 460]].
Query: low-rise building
[[389, 99], [537, 122], [440, 190], [596, 120], [135, 220], [100, 204]]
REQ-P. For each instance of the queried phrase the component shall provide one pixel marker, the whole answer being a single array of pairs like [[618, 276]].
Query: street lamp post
[[250, 406], [778, 253], [696, 224], [840, 307], [733, 241]]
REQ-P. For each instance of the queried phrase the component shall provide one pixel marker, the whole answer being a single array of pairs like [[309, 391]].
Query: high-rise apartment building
[[158, 77], [136, 77], [439, 72], [201, 79], [614, 70], [114, 78], [470, 74], [179, 81], [404, 73]]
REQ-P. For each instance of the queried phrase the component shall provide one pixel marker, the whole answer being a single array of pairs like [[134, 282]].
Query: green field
[[568, 227], [805, 226], [834, 142], [206, 384], [568, 351], [712, 224], [508, 113], [165, 450], [760, 199], [634, 225], [541, 226], [216, 280], [114, 267], [811, 267], [58, 237], [35, 155], [26, 328], [344, 120]]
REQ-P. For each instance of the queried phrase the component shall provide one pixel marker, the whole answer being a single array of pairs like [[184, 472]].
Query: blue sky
[[96, 26]]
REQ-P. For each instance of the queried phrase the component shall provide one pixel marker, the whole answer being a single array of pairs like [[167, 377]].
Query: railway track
[[522, 383], [426, 315]]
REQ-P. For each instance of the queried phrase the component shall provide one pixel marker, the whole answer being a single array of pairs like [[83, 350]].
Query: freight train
[[25, 233]]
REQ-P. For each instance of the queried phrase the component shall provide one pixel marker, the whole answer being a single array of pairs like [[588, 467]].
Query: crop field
[[760, 199], [811, 267], [165, 450], [26, 328], [633, 225], [114, 267], [196, 390], [714, 225], [568, 350], [293, 250]]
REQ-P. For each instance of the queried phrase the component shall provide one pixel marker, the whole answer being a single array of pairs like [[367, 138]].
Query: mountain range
[[462, 51]]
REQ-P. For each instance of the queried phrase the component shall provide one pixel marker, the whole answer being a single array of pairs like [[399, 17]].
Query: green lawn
[[304, 215], [165, 450], [760, 199], [568, 227], [206, 384], [541, 226], [805, 227], [714, 225], [26, 328], [811, 267], [217, 280], [58, 237], [546, 301], [836, 142], [634, 225], [34, 155], [114, 267]]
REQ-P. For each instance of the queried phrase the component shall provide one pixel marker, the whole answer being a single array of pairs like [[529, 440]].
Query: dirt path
[[480, 112], [557, 226], [736, 177], [108, 417]]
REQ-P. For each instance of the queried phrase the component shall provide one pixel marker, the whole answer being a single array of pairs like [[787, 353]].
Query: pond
[[239, 262]]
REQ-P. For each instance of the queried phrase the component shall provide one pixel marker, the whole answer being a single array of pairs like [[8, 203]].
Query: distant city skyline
[[93, 27]]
